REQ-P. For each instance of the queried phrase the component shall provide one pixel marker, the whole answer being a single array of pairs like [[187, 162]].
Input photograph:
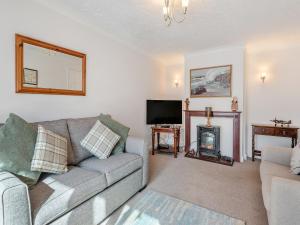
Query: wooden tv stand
[[174, 130]]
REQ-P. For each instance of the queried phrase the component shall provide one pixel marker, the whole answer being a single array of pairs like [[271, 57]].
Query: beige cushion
[[295, 160], [59, 127], [100, 141], [268, 170], [50, 153]]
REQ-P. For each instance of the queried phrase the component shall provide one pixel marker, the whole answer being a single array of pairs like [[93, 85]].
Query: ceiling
[[209, 24]]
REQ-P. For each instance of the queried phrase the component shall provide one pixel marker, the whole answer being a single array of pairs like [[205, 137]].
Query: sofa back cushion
[[117, 128], [17, 142], [78, 129], [295, 160], [59, 127]]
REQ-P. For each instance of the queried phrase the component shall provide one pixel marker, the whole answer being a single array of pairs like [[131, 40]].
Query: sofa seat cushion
[[115, 167], [268, 170], [55, 195]]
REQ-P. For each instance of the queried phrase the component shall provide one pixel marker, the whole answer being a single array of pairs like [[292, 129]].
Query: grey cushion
[[57, 194], [268, 170], [117, 128], [17, 142], [59, 127], [115, 167], [78, 129], [96, 209]]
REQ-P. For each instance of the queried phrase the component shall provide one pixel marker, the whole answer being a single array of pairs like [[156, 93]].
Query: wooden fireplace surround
[[236, 116]]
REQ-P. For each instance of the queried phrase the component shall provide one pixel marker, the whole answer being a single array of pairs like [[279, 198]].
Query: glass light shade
[[165, 10], [185, 3], [263, 76], [176, 82]]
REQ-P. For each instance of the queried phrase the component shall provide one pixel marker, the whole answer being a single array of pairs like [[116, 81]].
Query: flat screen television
[[164, 112]]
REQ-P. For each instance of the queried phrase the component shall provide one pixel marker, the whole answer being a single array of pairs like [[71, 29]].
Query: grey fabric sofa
[[90, 191], [280, 188]]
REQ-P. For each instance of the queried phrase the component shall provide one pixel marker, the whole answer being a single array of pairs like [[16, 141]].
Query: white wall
[[119, 79], [260, 103], [173, 73], [279, 95], [225, 56]]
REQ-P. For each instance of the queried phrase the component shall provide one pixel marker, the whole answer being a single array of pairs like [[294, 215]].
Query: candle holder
[[208, 114]]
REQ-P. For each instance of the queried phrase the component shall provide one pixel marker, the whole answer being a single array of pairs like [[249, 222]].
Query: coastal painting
[[211, 81]]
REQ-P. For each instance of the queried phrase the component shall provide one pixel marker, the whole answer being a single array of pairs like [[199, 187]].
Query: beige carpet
[[235, 191]]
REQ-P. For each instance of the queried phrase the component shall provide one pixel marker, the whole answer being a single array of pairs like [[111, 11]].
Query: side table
[[173, 130], [271, 130]]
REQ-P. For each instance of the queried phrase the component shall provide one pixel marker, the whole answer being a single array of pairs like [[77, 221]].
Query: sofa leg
[[143, 188]]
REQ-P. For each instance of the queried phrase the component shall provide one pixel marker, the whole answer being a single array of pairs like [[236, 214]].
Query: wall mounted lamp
[[176, 83], [263, 76]]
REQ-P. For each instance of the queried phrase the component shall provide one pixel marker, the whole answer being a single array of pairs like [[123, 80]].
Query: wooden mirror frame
[[20, 40]]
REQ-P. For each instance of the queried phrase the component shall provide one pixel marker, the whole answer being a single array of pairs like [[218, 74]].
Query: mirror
[[43, 68]]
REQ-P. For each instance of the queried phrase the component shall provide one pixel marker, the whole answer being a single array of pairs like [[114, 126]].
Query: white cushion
[[100, 141], [295, 160], [268, 170], [50, 153]]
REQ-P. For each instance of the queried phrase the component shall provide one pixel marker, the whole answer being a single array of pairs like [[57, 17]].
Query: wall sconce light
[[263, 76], [176, 82]]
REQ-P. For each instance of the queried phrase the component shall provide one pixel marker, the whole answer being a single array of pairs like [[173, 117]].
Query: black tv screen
[[164, 112]]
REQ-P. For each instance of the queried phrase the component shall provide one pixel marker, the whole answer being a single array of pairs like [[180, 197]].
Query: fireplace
[[208, 140]]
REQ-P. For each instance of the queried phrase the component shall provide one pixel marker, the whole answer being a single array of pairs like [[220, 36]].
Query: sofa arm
[[278, 155], [15, 203], [138, 146], [285, 201]]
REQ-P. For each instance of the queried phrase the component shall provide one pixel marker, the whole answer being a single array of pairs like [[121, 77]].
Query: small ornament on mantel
[[234, 104], [187, 104], [208, 114]]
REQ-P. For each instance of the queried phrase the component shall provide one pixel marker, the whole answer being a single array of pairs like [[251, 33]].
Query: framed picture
[[30, 77], [211, 82]]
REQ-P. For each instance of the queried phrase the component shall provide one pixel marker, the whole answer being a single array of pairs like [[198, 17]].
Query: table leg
[[158, 141], [153, 142], [253, 145], [294, 142], [178, 145], [175, 144]]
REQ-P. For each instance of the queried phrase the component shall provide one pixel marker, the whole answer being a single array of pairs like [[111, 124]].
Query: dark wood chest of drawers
[[270, 130]]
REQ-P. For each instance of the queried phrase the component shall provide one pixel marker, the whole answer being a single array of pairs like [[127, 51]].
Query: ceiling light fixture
[[170, 6]]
